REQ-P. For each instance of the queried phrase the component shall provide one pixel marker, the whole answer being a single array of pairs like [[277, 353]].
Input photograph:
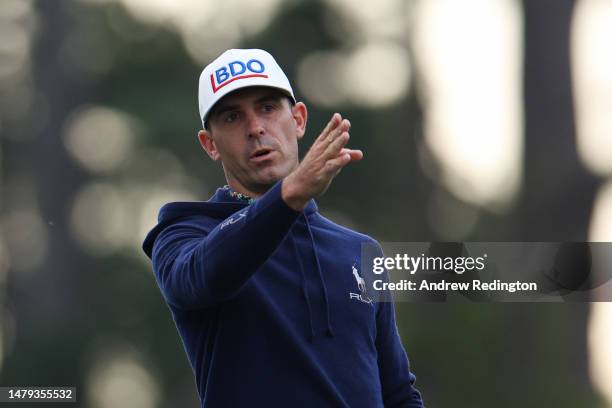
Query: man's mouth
[[261, 154]]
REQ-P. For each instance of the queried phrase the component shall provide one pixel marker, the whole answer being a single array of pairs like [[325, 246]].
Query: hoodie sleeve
[[197, 269], [397, 381]]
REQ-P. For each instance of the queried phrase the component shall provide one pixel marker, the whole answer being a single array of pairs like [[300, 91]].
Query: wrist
[[290, 195]]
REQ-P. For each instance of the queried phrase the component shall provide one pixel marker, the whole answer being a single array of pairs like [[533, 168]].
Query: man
[[260, 285]]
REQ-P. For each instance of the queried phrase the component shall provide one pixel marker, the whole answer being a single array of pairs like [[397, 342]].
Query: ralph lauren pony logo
[[362, 296], [236, 70]]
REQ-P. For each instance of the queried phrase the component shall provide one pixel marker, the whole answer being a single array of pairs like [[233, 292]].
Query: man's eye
[[230, 117], [268, 108]]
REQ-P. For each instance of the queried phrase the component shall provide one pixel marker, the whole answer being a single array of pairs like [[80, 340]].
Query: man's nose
[[255, 125]]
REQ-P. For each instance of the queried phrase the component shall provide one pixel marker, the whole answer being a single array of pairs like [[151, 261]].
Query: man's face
[[254, 132]]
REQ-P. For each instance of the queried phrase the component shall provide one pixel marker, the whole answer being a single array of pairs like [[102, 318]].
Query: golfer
[[266, 293]]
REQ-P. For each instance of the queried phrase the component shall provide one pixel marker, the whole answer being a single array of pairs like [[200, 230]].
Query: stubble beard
[[263, 181]]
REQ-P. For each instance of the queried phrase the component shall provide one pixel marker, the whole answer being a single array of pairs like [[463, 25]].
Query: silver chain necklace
[[237, 195]]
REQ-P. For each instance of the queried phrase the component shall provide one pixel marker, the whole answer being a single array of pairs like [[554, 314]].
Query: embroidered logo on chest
[[362, 296]]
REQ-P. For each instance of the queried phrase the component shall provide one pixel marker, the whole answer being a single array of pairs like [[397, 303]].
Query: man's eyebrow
[[223, 108]]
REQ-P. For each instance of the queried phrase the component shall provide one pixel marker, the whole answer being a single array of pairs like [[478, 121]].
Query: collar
[[224, 195]]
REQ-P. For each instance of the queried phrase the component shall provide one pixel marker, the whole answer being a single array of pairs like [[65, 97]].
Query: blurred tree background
[[479, 120]]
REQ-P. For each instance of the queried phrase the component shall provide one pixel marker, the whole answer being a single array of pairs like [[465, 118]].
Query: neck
[[241, 191], [252, 193]]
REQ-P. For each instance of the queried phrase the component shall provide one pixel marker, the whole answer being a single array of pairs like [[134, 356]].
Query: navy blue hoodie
[[261, 297]]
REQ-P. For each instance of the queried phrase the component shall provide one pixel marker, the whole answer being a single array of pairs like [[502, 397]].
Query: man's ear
[[300, 115], [208, 144]]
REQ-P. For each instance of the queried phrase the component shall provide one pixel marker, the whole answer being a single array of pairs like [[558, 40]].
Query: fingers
[[343, 126], [356, 155], [329, 148], [321, 147], [345, 157], [331, 125], [325, 159], [337, 163], [334, 127], [338, 138], [336, 145]]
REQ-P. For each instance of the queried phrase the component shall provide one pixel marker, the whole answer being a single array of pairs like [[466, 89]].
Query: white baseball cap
[[235, 69]]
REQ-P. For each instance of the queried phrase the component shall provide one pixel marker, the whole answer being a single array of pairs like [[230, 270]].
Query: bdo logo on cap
[[236, 70]]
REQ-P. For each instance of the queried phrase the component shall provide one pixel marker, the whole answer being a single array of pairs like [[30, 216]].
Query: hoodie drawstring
[[330, 332], [304, 289]]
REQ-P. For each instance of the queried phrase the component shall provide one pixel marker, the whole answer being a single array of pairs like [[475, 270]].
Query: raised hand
[[326, 157]]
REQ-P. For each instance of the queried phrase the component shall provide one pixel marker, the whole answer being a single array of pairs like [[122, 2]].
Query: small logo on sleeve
[[233, 219], [237, 70]]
